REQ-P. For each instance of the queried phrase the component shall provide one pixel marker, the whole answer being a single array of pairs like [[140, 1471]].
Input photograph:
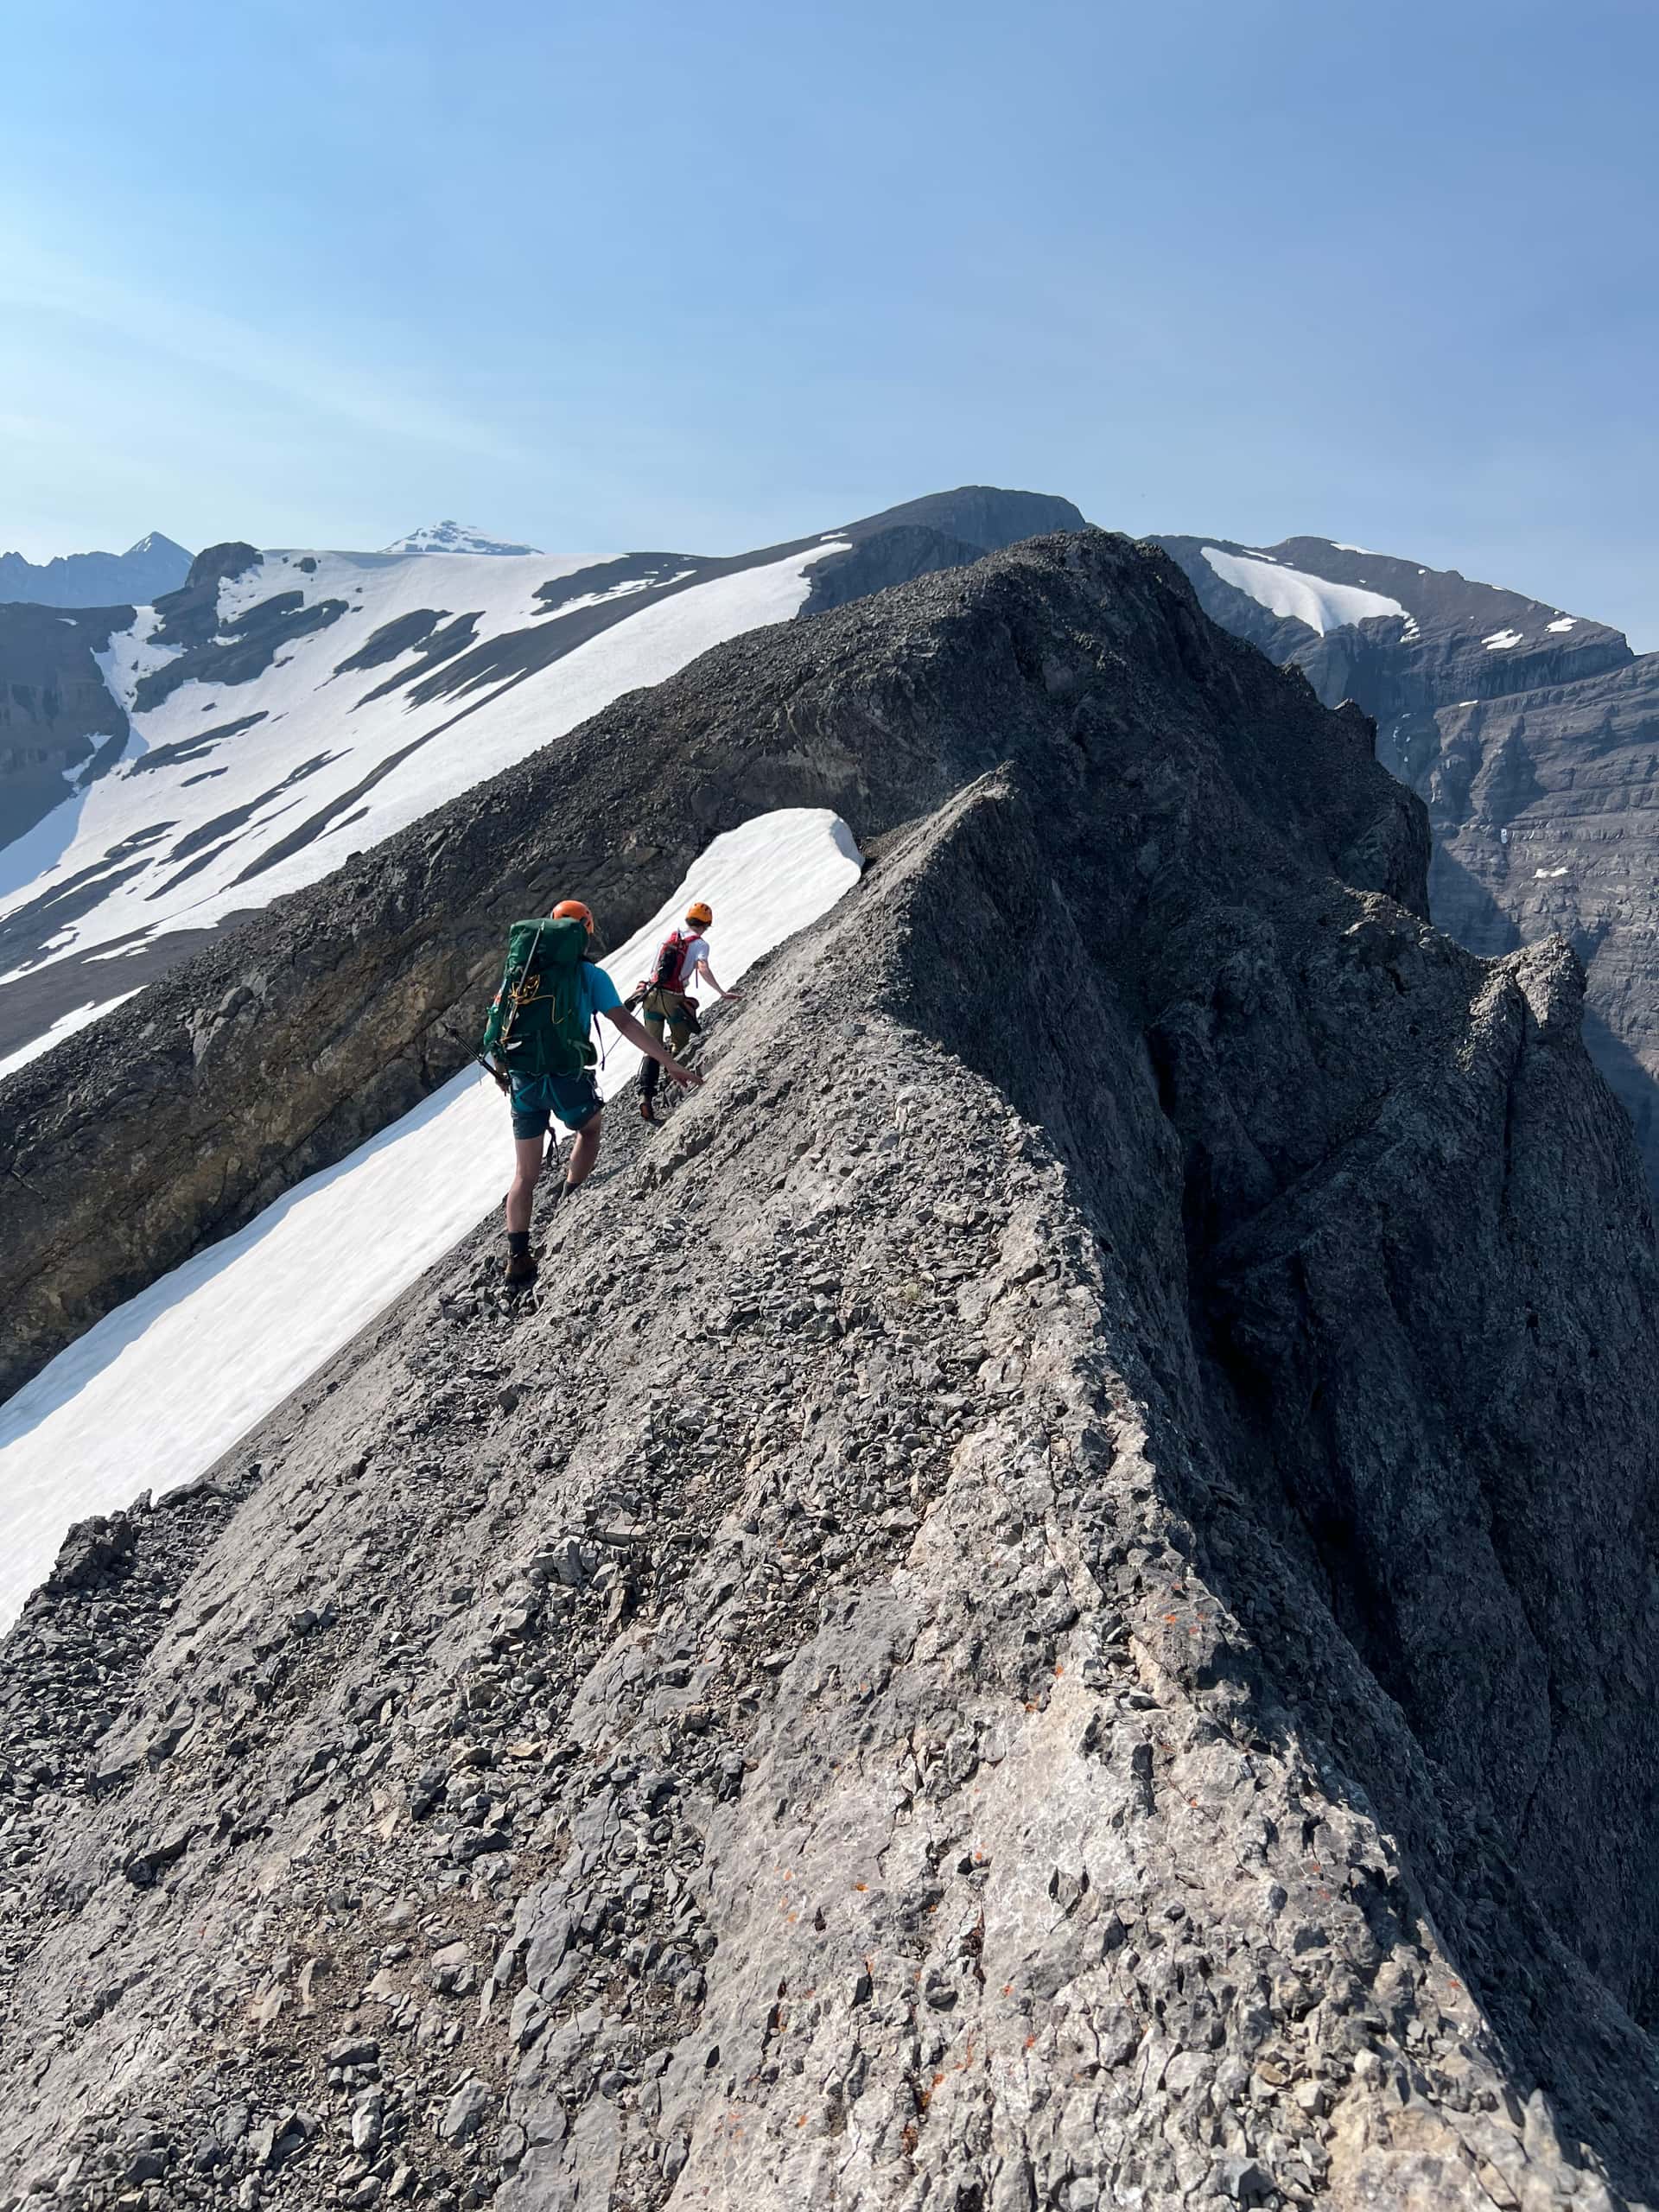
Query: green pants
[[660, 1011]]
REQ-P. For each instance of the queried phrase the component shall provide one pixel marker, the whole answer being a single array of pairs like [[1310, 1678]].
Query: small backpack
[[671, 960], [535, 1024]]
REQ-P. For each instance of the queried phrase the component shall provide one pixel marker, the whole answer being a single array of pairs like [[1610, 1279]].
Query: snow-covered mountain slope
[[1330, 607], [307, 705], [1294, 595], [453, 538], [244, 735], [164, 1384], [143, 572]]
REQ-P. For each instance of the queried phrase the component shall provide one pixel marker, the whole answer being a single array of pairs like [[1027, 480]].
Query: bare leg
[[527, 1167], [584, 1152]]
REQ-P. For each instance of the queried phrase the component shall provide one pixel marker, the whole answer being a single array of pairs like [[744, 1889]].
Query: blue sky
[[707, 276]]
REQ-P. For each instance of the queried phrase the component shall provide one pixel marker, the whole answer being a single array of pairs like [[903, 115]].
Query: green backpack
[[536, 1025]]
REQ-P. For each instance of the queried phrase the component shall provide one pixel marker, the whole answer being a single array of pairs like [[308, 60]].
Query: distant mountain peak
[[156, 542], [141, 574], [453, 538]]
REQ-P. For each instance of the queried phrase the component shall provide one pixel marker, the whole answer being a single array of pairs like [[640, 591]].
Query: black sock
[[517, 1241]]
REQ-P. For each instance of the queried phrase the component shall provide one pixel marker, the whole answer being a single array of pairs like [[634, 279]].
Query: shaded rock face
[[885, 558], [1070, 1688], [1543, 808], [1535, 756], [276, 1053], [59, 725], [983, 514]]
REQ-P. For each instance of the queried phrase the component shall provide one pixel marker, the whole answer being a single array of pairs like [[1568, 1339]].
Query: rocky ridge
[[281, 709], [1068, 1687], [276, 1053]]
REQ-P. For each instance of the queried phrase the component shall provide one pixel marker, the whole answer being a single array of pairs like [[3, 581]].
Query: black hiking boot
[[521, 1270]]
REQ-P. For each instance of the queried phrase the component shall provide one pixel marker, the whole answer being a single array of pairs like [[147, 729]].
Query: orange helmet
[[572, 910], [699, 915]]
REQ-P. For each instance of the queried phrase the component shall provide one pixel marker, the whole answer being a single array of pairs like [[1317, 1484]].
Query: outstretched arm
[[636, 1033], [708, 975]]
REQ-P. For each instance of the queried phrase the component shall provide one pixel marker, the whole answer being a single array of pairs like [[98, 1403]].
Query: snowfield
[[174, 833], [1292, 591], [156, 1392]]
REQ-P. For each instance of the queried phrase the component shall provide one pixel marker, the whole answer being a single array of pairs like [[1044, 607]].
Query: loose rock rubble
[[829, 1702]]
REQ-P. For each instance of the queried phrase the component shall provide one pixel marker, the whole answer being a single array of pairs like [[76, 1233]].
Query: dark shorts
[[537, 1098]]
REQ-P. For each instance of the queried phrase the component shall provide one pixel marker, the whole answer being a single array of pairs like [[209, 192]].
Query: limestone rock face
[[1531, 735], [1114, 1661]]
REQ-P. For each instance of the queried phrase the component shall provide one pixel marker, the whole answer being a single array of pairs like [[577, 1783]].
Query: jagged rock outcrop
[[1066, 1688], [1530, 733]]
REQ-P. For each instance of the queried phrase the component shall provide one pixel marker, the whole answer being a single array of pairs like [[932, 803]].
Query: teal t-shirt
[[598, 993]]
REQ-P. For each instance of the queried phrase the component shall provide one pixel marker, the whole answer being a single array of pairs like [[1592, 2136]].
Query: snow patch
[[1312, 600], [158, 1389], [1549, 870], [131, 654], [1501, 640], [628, 590], [121, 951], [1565, 622]]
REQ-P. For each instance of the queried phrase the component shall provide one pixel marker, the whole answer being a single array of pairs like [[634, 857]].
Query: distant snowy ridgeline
[[161, 1387], [1293, 593], [370, 688]]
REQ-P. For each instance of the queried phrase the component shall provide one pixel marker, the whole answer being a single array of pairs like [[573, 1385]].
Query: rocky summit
[[1052, 1604]]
